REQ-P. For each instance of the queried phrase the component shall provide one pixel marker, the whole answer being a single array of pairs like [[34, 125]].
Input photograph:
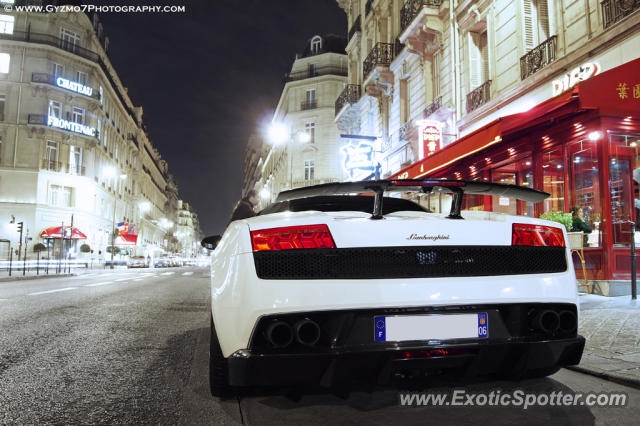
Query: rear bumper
[[471, 360]]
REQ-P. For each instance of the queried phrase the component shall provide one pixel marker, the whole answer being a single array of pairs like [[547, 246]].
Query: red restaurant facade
[[582, 147]]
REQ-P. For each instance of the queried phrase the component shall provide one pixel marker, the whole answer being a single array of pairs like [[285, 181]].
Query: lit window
[[58, 70], [75, 160], [6, 24], [536, 23], [5, 59], [81, 78], [308, 169], [310, 128], [78, 115], [55, 109]]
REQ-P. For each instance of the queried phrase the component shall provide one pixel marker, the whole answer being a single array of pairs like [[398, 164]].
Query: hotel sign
[[74, 86], [59, 123], [430, 137], [358, 157], [581, 73]]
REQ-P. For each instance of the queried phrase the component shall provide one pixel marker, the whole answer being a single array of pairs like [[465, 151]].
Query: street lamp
[[278, 134], [110, 172]]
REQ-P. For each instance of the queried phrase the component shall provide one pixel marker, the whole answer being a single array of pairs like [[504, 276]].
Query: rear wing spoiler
[[456, 187]]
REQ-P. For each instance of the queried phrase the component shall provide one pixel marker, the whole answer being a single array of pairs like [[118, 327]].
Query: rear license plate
[[431, 327]]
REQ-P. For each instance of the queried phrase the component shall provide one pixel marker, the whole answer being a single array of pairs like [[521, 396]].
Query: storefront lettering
[[74, 86], [636, 91], [430, 137], [622, 90], [358, 157], [581, 73], [59, 123]]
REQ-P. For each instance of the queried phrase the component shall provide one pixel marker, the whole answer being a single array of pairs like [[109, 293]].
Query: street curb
[[626, 381], [35, 277]]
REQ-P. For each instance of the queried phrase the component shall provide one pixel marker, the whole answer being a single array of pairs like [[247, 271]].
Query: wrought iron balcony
[[354, 28], [77, 170], [315, 72], [39, 77], [381, 54], [37, 119], [538, 57], [435, 105], [412, 8], [350, 95], [615, 10], [479, 96], [405, 131], [305, 105], [54, 166], [368, 7]]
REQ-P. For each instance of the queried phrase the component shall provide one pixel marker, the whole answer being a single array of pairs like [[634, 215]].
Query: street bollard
[[634, 290], [38, 264], [10, 260]]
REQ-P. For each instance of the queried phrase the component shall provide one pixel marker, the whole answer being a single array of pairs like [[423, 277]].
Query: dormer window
[[316, 45]]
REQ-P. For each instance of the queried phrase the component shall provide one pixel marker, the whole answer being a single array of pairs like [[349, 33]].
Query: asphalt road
[[125, 347]]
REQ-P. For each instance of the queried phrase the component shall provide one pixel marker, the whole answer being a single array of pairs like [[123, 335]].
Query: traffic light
[[20, 227]]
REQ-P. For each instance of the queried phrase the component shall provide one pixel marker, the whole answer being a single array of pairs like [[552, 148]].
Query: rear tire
[[218, 369]]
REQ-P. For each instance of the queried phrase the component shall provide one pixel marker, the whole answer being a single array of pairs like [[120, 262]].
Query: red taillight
[[292, 237], [536, 235]]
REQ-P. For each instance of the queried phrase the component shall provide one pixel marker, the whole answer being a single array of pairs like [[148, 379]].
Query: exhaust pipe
[[547, 321], [279, 334], [307, 332], [568, 322]]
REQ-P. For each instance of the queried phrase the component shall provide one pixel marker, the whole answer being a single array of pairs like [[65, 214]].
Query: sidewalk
[[16, 275], [611, 326]]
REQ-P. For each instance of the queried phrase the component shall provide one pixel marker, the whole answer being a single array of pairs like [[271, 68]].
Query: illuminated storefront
[[581, 147]]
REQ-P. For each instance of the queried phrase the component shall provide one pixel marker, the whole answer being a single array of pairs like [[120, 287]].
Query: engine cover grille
[[408, 262]]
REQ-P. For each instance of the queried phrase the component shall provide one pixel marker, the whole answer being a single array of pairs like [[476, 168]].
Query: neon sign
[[59, 123], [581, 73], [358, 156], [74, 87], [430, 137]]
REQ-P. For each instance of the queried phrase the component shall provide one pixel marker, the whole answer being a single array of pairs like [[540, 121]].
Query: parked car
[[326, 286], [162, 262], [137, 262]]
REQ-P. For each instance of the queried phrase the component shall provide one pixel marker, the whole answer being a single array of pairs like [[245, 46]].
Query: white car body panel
[[239, 298]]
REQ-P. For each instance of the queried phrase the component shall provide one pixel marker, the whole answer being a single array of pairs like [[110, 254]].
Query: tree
[[115, 250], [39, 247], [85, 248]]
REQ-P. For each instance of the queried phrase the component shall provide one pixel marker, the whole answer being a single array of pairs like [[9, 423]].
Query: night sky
[[207, 78]]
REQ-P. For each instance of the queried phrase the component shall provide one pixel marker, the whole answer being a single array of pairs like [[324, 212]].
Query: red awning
[[56, 232], [126, 240], [614, 92]]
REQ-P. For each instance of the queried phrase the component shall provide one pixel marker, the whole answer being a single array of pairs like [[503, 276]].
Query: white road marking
[[187, 273], [52, 291], [122, 279], [97, 284], [167, 273], [3, 300]]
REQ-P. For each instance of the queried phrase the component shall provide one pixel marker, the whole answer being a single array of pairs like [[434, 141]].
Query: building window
[[57, 70], [55, 109], [311, 96], [2, 102], [404, 101], [101, 91], [78, 115], [69, 40], [478, 55], [436, 74], [6, 24], [51, 155], [308, 169], [75, 160], [81, 77], [60, 196], [5, 60], [313, 70], [0, 149], [116, 153], [536, 22], [310, 129], [316, 45], [553, 179]]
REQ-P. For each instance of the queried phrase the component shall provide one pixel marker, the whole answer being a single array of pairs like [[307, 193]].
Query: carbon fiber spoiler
[[456, 187]]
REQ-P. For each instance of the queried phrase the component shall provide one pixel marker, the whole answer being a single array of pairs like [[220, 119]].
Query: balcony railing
[[54, 166], [615, 10], [479, 96], [314, 72], [77, 170], [305, 105], [354, 28], [368, 7], [404, 133], [435, 105], [37, 119], [412, 8], [538, 57], [381, 54], [350, 95], [39, 77]]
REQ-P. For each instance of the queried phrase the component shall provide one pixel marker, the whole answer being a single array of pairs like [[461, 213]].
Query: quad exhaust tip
[[547, 321], [307, 332], [279, 334], [568, 322]]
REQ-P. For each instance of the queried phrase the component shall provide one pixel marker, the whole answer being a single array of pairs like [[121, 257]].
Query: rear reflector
[[536, 235], [292, 237]]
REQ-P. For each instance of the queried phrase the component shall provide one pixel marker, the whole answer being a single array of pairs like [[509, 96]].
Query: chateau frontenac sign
[[74, 86], [59, 123]]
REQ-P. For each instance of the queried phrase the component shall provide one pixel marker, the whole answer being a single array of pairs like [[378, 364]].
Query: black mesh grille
[[409, 262]]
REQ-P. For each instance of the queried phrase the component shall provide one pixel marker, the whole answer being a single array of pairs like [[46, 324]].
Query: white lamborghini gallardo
[[325, 287]]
